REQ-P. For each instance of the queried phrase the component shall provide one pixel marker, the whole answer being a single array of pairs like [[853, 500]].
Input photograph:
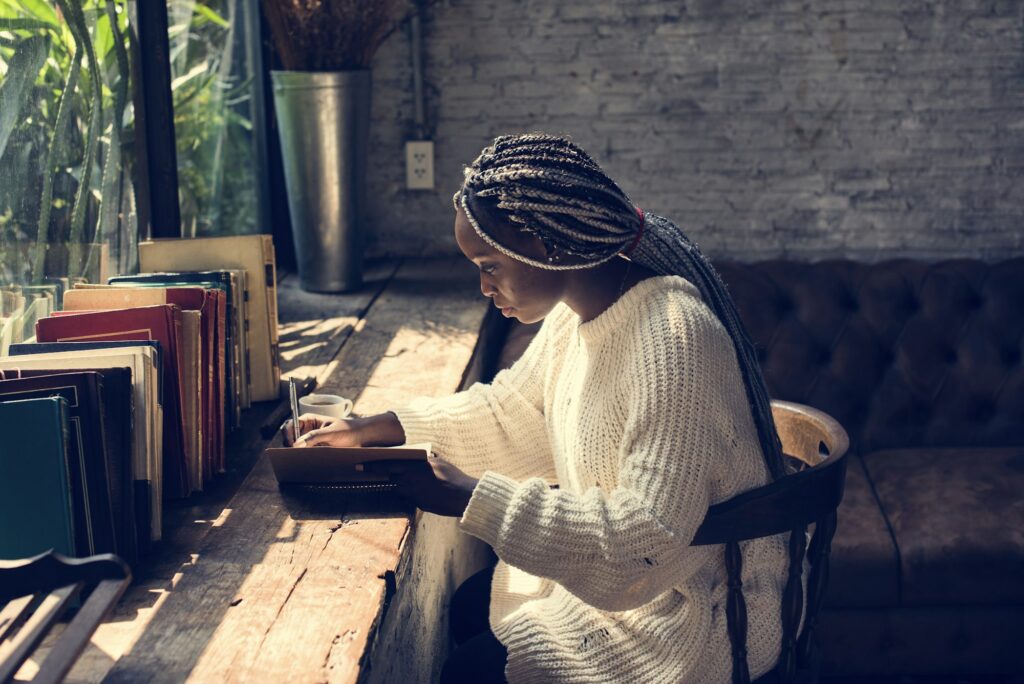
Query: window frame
[[158, 210]]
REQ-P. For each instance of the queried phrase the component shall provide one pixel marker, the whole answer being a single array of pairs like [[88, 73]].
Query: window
[[66, 197], [214, 69]]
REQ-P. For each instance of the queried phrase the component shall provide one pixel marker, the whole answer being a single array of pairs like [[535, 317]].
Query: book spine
[[270, 273], [245, 376], [65, 433]]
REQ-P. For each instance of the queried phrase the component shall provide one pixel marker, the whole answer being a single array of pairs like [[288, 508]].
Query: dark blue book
[[87, 451], [35, 479]]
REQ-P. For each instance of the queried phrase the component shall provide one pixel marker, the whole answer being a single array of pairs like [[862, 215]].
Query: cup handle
[[347, 411]]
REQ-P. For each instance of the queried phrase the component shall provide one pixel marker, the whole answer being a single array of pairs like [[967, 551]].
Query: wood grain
[[280, 587]]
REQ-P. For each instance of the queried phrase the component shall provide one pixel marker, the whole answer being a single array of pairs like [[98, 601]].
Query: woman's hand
[[382, 429], [436, 486], [316, 430]]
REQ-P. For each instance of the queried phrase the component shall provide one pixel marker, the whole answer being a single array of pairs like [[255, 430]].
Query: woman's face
[[520, 290]]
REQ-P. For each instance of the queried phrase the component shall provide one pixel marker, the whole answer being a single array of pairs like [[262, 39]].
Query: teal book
[[35, 479]]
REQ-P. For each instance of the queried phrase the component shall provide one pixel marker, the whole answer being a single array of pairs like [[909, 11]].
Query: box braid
[[551, 188]]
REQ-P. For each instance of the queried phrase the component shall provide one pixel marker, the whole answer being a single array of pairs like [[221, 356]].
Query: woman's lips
[[507, 311]]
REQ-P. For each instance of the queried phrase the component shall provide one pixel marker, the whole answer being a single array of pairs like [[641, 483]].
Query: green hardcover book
[[35, 479]]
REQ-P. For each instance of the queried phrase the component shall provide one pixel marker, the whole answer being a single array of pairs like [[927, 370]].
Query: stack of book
[[126, 393]]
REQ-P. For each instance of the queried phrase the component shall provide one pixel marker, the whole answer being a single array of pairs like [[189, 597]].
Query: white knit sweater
[[640, 416]]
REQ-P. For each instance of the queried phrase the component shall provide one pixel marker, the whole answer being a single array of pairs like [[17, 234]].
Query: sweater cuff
[[485, 513], [418, 422]]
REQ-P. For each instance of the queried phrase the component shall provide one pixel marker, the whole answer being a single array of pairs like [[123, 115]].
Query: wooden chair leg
[[792, 606], [736, 613], [817, 581]]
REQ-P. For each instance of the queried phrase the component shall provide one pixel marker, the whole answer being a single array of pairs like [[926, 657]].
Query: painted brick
[[783, 129]]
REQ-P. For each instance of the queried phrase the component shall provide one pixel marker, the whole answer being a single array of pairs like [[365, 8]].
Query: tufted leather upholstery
[[902, 353], [958, 516]]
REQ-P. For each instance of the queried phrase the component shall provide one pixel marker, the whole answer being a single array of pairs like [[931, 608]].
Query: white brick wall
[[766, 128]]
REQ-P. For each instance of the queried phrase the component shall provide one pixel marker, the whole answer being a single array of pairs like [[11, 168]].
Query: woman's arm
[[495, 426], [620, 548]]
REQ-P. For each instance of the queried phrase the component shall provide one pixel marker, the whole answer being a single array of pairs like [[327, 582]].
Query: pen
[[294, 397]]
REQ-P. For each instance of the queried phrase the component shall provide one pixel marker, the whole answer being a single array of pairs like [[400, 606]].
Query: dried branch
[[332, 35]]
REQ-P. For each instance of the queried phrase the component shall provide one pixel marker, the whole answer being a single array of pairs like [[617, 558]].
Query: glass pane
[[66, 196], [212, 79]]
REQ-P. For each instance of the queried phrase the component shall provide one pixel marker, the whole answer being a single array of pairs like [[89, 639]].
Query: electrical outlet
[[419, 164]]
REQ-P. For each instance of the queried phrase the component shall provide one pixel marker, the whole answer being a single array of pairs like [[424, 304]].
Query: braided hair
[[549, 187]]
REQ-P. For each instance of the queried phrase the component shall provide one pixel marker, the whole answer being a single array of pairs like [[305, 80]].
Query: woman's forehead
[[471, 244]]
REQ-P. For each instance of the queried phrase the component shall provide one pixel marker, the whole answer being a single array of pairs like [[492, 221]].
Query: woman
[[639, 397]]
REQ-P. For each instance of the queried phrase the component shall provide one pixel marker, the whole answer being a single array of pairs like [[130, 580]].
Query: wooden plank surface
[[281, 587]]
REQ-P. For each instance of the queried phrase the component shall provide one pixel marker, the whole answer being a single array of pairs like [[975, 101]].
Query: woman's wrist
[[382, 429]]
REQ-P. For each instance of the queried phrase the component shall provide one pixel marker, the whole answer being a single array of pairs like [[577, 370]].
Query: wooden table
[[254, 585]]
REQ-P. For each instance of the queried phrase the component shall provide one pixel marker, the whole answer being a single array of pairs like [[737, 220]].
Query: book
[[196, 409], [232, 321], [254, 254], [335, 465], [35, 479], [87, 452], [147, 417], [209, 366], [131, 524], [26, 348], [161, 323]]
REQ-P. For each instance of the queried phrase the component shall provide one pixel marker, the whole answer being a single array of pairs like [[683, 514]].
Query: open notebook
[[342, 465]]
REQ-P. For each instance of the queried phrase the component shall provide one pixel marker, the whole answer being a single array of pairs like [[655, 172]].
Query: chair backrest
[[36, 592], [810, 495]]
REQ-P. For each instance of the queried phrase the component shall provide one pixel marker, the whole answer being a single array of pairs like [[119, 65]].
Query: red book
[[203, 301], [161, 323]]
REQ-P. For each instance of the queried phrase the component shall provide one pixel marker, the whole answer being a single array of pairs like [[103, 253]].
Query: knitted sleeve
[[497, 426], [619, 547]]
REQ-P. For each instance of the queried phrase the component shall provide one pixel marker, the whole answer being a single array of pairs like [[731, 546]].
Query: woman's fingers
[[333, 432], [308, 422]]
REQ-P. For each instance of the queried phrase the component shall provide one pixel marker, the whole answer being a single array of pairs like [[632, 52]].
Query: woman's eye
[[487, 269]]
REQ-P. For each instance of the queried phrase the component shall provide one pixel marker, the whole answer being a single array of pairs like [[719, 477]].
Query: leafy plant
[[63, 118], [212, 82], [67, 126]]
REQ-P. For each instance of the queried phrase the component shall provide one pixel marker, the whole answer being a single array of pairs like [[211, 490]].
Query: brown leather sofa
[[922, 364]]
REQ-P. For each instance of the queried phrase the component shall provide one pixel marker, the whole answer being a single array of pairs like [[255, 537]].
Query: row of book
[[126, 394]]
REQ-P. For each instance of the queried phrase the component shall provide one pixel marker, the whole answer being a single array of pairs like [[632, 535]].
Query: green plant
[[63, 97], [66, 131], [212, 85], [331, 35]]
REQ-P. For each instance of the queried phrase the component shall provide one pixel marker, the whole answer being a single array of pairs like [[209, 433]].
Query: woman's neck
[[592, 290]]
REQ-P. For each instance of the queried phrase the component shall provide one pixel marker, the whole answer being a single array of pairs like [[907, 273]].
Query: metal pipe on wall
[[416, 50]]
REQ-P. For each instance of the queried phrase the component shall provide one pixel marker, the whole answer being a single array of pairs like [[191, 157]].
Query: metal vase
[[324, 124]]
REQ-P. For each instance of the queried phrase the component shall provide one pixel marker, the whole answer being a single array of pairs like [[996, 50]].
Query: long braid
[[551, 188]]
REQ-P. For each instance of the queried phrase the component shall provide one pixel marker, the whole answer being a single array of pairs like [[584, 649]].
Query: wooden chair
[[36, 592], [809, 495]]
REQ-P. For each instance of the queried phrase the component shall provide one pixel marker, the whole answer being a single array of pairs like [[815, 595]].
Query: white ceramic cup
[[326, 405]]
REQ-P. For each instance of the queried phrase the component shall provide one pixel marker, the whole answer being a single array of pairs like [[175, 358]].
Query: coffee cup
[[326, 405]]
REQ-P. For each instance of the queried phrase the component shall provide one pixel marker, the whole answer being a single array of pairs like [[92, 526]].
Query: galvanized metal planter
[[324, 126]]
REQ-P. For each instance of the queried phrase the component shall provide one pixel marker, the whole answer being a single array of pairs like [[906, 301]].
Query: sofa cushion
[[958, 519], [864, 565]]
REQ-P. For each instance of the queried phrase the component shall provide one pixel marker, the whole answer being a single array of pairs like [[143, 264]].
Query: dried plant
[[332, 35]]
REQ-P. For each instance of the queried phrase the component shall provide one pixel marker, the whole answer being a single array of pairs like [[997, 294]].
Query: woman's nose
[[485, 287]]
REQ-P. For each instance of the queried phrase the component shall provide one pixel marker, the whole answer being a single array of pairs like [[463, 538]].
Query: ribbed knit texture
[[640, 416]]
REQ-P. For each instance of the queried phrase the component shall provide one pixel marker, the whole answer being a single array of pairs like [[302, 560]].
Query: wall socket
[[419, 164]]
